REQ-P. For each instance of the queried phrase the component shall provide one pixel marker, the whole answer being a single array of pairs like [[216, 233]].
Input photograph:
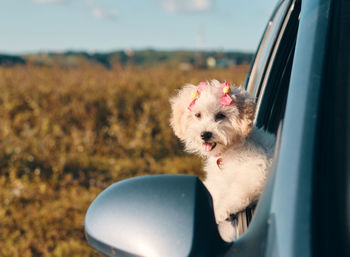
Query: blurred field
[[66, 134]]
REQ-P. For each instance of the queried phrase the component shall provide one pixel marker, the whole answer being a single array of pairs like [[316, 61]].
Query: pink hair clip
[[197, 93], [226, 99]]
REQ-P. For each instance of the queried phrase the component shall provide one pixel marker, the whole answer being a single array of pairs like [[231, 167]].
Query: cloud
[[186, 5], [48, 1], [100, 12]]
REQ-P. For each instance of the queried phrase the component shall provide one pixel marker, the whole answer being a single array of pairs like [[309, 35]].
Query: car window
[[331, 179], [265, 48], [272, 99], [272, 89]]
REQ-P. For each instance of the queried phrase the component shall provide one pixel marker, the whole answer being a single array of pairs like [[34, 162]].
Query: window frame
[[258, 78], [252, 84], [242, 220], [272, 99]]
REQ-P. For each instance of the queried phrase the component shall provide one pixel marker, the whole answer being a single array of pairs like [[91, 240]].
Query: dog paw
[[226, 231]]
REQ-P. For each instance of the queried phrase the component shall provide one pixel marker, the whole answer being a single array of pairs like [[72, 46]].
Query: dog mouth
[[208, 146]]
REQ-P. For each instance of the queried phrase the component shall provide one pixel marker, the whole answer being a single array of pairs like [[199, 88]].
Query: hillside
[[142, 58]]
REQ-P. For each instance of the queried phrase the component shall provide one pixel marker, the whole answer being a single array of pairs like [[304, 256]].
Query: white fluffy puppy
[[215, 120]]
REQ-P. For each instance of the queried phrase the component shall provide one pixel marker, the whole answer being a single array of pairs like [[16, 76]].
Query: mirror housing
[[157, 215]]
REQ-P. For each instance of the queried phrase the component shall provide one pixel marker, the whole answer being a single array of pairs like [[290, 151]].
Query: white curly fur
[[237, 156]]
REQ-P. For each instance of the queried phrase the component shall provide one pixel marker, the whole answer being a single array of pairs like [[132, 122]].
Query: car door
[[288, 221]]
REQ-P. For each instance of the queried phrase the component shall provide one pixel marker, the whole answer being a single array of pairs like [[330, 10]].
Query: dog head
[[211, 117]]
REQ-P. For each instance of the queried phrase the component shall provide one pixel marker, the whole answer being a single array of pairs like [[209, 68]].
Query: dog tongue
[[207, 146]]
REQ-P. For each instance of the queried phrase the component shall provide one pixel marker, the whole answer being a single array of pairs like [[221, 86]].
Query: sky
[[30, 26]]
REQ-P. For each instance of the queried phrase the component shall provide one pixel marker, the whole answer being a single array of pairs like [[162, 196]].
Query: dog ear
[[246, 108], [180, 114]]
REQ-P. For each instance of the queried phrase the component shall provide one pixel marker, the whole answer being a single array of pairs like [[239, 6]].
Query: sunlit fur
[[245, 151]]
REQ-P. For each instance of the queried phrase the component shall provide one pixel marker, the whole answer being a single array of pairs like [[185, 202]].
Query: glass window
[[265, 48]]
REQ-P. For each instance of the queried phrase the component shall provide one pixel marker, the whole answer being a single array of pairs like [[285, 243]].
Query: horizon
[[125, 50], [114, 25]]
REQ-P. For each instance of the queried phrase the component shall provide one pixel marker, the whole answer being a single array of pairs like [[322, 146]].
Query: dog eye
[[219, 116], [198, 115]]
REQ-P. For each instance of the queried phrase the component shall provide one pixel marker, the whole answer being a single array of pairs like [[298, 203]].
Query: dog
[[215, 120]]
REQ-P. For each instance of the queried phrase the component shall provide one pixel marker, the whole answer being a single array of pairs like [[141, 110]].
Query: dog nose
[[206, 135]]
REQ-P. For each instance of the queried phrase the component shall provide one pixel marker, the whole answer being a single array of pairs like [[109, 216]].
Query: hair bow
[[226, 99], [197, 93]]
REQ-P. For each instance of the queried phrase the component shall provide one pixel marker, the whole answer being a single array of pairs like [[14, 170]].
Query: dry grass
[[66, 134]]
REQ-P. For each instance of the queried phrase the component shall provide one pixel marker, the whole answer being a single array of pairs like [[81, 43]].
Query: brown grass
[[66, 134]]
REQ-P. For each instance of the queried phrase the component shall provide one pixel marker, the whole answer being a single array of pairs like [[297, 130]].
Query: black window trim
[[270, 63], [257, 85]]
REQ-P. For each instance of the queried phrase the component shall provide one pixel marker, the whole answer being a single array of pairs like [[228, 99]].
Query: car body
[[301, 79]]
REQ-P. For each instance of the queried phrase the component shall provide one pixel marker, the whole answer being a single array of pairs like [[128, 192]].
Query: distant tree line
[[140, 58], [9, 60]]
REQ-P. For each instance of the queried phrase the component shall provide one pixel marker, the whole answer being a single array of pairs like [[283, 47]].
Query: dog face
[[214, 120]]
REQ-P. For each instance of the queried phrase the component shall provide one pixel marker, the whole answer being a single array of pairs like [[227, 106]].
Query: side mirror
[[158, 215]]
